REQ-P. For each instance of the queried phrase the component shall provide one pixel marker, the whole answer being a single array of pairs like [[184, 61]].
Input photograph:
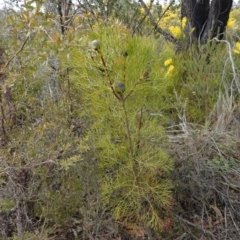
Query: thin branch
[[143, 77], [3, 119], [130, 141], [167, 8], [128, 130], [9, 61], [166, 35], [140, 123], [235, 76], [143, 19], [163, 14], [108, 76], [195, 225]]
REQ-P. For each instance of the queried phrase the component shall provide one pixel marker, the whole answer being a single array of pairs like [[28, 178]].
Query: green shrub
[[123, 88]]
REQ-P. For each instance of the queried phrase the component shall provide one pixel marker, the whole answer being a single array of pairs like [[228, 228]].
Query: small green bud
[[119, 87], [95, 44]]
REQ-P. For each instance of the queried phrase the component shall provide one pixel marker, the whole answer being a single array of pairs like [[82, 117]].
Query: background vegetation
[[113, 126]]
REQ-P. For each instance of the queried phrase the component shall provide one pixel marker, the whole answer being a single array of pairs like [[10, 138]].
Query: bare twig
[[164, 12], [229, 50], [225, 104], [144, 76], [140, 123], [166, 35], [195, 225]]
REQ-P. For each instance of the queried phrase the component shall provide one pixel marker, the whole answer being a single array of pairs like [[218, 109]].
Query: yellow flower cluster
[[237, 48], [184, 22], [168, 63], [170, 70], [170, 22], [176, 31], [142, 10], [234, 20], [231, 22], [170, 16]]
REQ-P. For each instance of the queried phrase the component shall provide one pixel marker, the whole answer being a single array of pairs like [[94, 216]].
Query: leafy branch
[[7, 92], [16, 53]]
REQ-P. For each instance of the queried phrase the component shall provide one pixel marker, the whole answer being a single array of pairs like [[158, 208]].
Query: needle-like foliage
[[125, 127]]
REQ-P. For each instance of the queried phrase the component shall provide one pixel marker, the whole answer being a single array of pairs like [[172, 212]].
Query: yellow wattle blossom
[[231, 22], [170, 16], [176, 31], [142, 10], [170, 70], [184, 22], [168, 19], [168, 62], [237, 48]]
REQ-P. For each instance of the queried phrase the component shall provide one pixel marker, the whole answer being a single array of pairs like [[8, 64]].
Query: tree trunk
[[206, 20]]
